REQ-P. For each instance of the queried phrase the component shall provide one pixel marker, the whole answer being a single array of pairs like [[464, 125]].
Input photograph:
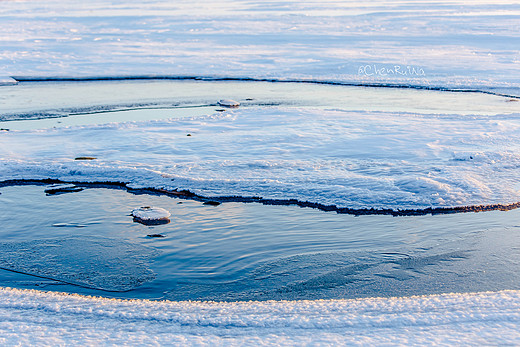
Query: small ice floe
[[151, 215], [56, 189], [229, 103]]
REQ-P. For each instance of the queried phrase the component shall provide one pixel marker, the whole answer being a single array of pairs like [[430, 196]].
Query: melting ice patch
[[104, 264], [354, 159]]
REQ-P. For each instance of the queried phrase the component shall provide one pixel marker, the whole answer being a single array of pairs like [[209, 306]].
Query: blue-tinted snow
[[429, 43]]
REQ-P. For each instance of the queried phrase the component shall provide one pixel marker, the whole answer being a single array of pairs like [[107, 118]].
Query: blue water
[[86, 242]]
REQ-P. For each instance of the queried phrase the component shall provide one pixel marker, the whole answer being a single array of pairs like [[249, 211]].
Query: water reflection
[[240, 251]]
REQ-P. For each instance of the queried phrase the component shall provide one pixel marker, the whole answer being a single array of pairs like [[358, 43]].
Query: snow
[[458, 44], [46, 318], [353, 159]]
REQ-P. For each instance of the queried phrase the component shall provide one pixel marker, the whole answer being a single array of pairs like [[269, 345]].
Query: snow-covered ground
[[50, 319], [450, 43]]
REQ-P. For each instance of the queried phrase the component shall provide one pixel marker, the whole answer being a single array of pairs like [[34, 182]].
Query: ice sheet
[[6, 80], [333, 157]]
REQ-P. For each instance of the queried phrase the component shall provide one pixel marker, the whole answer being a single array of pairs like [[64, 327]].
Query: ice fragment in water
[[62, 188], [151, 215], [228, 103], [211, 203]]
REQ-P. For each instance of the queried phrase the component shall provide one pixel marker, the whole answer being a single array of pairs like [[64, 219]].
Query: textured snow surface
[[343, 158], [40, 318], [452, 43]]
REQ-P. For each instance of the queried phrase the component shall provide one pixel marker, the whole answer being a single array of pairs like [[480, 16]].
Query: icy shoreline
[[47, 318]]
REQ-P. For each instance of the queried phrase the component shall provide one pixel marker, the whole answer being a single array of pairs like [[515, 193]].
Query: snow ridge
[[55, 318]]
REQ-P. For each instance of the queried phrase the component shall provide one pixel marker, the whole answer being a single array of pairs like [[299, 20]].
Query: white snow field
[[50, 319], [455, 43]]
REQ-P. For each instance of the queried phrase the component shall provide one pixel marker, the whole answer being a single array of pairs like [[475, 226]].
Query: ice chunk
[[105, 264], [151, 215], [229, 103], [62, 189]]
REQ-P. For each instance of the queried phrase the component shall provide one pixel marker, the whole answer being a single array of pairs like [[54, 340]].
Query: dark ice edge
[[186, 194], [253, 79]]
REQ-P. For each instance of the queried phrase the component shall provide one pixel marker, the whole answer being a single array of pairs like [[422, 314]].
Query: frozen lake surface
[[350, 150], [94, 102]]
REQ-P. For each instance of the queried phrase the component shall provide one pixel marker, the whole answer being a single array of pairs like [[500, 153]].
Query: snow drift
[[45, 318]]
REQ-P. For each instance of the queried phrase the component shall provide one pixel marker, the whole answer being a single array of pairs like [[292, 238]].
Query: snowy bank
[[47, 318]]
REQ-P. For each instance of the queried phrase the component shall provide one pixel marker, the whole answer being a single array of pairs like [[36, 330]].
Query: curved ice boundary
[[511, 92], [46, 318], [346, 159]]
